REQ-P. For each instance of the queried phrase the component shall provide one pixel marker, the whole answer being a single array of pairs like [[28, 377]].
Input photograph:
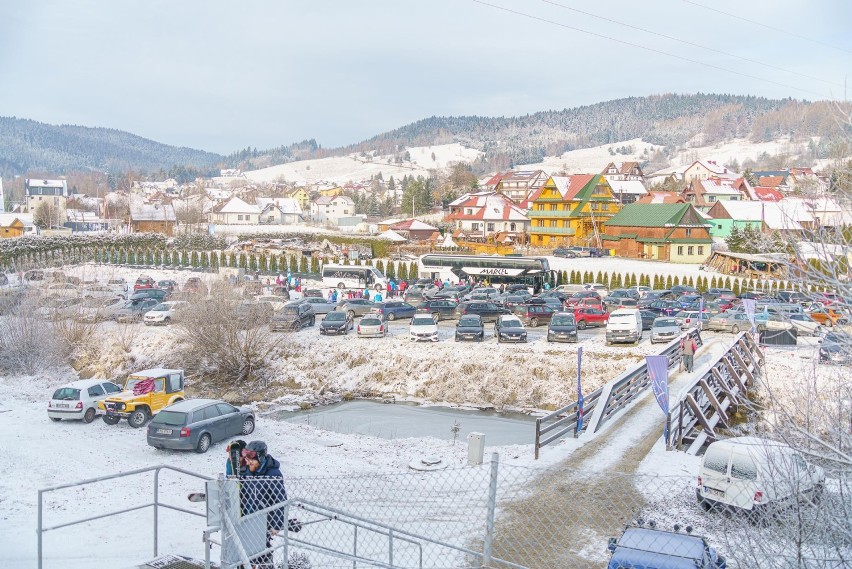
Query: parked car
[[599, 288], [792, 296], [470, 327], [664, 329], [423, 327], [620, 303], [58, 308], [99, 291], [277, 302], [155, 293], [804, 324], [534, 314], [280, 291], [145, 393], [692, 319], [439, 309], [194, 285], [198, 423], [79, 399], [394, 309], [293, 316], [144, 282], [134, 310], [119, 286], [681, 289], [489, 311], [488, 291], [509, 328], [828, 317], [562, 328], [372, 326], [653, 548], [578, 297], [336, 323], [648, 318], [512, 300], [62, 290], [755, 475], [321, 305], [165, 313], [624, 325], [662, 307], [565, 253], [452, 295], [99, 309], [688, 299], [733, 322], [356, 307], [168, 285], [836, 348], [590, 316], [657, 294]]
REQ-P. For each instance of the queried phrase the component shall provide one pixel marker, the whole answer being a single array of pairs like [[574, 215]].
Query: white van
[[755, 474], [624, 325]]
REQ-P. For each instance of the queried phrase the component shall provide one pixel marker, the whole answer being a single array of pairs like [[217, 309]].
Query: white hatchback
[[79, 399], [165, 313], [423, 327]]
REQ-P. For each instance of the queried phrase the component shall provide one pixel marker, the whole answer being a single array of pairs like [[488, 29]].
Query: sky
[[221, 76]]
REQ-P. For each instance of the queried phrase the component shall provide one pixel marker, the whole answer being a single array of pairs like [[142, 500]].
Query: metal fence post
[[40, 525], [156, 509], [489, 516]]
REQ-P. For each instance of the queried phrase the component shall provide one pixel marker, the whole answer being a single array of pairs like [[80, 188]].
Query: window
[[552, 223], [468, 211], [680, 249], [511, 227], [490, 227], [743, 468], [239, 217], [474, 226], [701, 249], [716, 459], [225, 409], [711, 198], [688, 231], [174, 382], [690, 250], [553, 207], [95, 391], [111, 388], [719, 226], [210, 412]]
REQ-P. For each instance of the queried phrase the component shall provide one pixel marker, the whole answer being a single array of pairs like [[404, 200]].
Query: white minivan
[[755, 475], [624, 325]]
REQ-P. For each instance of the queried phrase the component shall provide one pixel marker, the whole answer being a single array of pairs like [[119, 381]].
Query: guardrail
[[155, 504], [619, 393], [711, 399]]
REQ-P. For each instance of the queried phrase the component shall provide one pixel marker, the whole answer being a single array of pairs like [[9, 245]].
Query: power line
[[687, 42], [651, 49], [768, 27]]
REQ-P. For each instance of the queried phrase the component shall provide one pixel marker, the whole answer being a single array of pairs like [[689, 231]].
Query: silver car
[[195, 424], [664, 329], [372, 326], [321, 305]]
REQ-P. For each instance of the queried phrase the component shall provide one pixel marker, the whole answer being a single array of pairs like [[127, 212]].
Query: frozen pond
[[406, 420]]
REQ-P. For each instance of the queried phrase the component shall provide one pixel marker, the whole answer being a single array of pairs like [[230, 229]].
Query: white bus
[[532, 271], [354, 277]]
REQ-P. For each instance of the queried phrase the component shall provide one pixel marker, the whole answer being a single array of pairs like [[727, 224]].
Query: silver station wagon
[[195, 424]]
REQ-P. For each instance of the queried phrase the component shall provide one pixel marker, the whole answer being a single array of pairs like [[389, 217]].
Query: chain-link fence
[[500, 515]]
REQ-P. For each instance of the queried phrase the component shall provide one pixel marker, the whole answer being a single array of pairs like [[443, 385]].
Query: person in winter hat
[[234, 450], [262, 487]]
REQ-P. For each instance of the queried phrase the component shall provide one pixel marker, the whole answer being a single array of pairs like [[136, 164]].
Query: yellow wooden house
[[16, 225], [302, 196], [331, 192], [571, 210]]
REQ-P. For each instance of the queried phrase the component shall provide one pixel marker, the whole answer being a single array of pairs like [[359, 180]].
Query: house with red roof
[[768, 194], [704, 193], [414, 229], [483, 215], [704, 169], [519, 184], [661, 197], [571, 210]]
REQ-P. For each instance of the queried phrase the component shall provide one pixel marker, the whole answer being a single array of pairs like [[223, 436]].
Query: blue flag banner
[[579, 390], [749, 306], [700, 309], [658, 371]]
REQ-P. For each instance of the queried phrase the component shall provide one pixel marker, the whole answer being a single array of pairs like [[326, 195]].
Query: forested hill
[[667, 120], [27, 145]]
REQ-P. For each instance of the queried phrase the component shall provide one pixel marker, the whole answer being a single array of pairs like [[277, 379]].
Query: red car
[[589, 302], [144, 282], [576, 298], [590, 316]]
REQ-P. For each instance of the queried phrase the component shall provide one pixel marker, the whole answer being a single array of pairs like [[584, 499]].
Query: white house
[[235, 212], [279, 211], [54, 193], [703, 169], [627, 191], [482, 214], [328, 209]]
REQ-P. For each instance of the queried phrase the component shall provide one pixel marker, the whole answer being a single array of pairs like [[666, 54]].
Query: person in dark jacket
[[262, 487]]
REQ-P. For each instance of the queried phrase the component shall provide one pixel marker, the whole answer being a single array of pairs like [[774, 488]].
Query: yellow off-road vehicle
[[145, 393]]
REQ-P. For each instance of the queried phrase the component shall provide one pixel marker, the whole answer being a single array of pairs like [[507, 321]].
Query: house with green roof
[[673, 232]]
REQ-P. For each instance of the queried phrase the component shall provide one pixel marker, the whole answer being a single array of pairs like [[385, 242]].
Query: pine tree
[[193, 260], [243, 261], [232, 261], [380, 267], [294, 265], [315, 265], [303, 264], [273, 264], [391, 273], [263, 263], [214, 260], [669, 281]]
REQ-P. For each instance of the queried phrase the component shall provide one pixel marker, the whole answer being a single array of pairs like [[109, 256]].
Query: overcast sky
[[222, 75]]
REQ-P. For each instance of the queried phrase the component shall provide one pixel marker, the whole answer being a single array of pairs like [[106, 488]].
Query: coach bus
[[532, 271], [354, 277]]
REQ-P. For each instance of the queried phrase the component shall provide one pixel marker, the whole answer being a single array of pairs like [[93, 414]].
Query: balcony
[[552, 231], [545, 213]]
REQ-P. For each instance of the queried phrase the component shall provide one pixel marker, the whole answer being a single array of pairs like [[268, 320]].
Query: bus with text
[[353, 277], [531, 271]]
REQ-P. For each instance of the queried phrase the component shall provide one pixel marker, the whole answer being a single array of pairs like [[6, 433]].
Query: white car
[[423, 327], [99, 291], [119, 286], [65, 290], [79, 399], [602, 290], [804, 324], [277, 302], [58, 307], [96, 309], [164, 313]]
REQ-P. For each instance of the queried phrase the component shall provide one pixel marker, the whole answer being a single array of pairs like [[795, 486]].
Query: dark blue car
[[660, 549], [393, 309]]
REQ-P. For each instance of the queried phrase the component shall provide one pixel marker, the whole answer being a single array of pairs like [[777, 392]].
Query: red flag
[[144, 386]]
